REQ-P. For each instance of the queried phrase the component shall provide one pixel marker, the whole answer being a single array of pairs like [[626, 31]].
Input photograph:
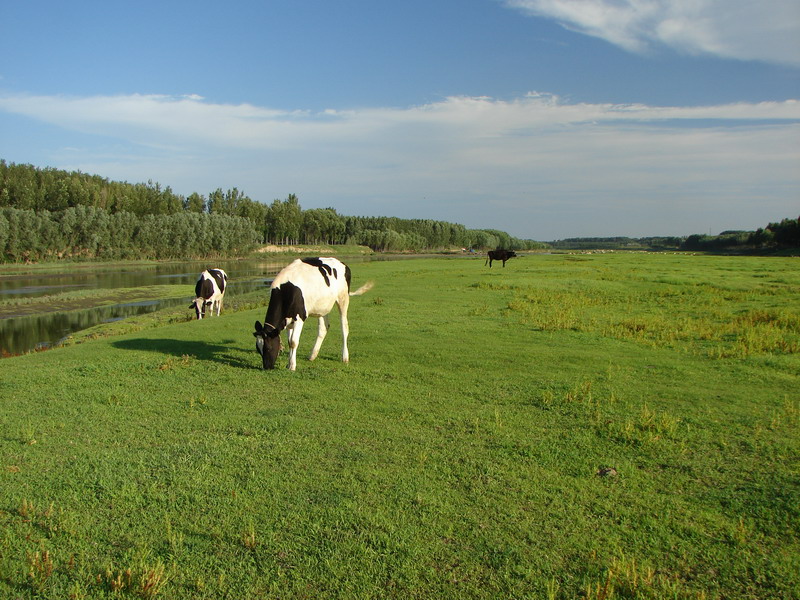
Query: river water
[[20, 334]]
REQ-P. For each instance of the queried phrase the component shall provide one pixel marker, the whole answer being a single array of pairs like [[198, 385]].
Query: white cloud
[[768, 30], [536, 166]]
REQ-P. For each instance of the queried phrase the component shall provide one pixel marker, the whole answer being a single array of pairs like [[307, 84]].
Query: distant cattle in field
[[307, 287], [503, 255], [209, 291]]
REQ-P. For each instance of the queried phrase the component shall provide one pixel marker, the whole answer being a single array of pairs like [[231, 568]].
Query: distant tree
[[216, 202], [3, 232], [195, 203], [322, 225], [787, 232], [293, 218], [762, 237]]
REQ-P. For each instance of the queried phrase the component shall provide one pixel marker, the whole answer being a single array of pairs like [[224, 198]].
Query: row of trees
[[618, 243], [124, 214], [785, 234], [89, 232], [52, 213]]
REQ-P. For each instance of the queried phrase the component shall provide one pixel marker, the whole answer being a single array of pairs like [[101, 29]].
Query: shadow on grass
[[219, 353]]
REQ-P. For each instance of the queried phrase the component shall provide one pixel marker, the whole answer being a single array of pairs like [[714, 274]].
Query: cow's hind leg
[[344, 302], [324, 325]]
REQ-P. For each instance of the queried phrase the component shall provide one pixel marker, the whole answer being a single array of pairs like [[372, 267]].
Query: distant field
[[569, 426]]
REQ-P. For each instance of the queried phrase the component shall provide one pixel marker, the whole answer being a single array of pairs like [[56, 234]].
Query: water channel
[[46, 325]]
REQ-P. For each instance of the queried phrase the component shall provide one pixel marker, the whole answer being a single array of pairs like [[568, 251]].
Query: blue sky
[[544, 118]]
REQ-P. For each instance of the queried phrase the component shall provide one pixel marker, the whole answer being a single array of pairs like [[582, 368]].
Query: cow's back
[[320, 287]]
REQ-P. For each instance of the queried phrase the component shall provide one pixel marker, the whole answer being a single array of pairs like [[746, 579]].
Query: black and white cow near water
[[307, 287], [503, 255], [209, 291]]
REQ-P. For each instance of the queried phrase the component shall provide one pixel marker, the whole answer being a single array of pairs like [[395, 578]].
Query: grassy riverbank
[[605, 426]]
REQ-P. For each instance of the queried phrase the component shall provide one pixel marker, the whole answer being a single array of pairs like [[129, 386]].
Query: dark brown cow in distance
[[503, 255]]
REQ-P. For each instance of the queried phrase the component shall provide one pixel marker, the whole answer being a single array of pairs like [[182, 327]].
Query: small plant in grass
[[658, 423], [174, 539], [146, 582], [478, 310], [787, 416], [173, 362], [547, 398], [249, 537], [27, 510], [40, 568], [580, 394], [648, 427], [198, 402], [119, 581], [626, 579], [77, 591], [29, 434], [553, 588], [151, 581]]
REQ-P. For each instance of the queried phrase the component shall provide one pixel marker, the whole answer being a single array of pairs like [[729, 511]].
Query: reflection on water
[[38, 331], [24, 334], [41, 331]]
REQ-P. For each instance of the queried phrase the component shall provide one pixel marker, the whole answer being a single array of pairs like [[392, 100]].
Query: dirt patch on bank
[[294, 249], [312, 250]]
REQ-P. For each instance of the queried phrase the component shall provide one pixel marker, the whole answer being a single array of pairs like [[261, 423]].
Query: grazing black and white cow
[[503, 255], [209, 291], [307, 287]]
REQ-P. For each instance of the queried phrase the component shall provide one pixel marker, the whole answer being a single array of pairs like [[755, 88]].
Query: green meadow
[[570, 426]]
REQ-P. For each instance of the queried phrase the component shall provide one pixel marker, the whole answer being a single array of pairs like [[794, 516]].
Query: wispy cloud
[[186, 119], [535, 166], [768, 30]]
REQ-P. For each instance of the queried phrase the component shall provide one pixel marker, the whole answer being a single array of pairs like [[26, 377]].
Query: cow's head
[[511, 254], [199, 306], [268, 344]]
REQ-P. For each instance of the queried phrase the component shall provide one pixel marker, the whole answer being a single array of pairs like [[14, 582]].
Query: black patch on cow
[[204, 288], [314, 262], [219, 277], [347, 276], [325, 269], [285, 302]]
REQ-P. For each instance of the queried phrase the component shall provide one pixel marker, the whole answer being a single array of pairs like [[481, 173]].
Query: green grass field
[[571, 426]]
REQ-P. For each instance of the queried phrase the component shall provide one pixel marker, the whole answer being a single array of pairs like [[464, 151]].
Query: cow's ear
[[191, 305], [259, 329]]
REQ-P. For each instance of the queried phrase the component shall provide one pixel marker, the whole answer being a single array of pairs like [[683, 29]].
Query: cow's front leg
[[324, 325], [293, 332]]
